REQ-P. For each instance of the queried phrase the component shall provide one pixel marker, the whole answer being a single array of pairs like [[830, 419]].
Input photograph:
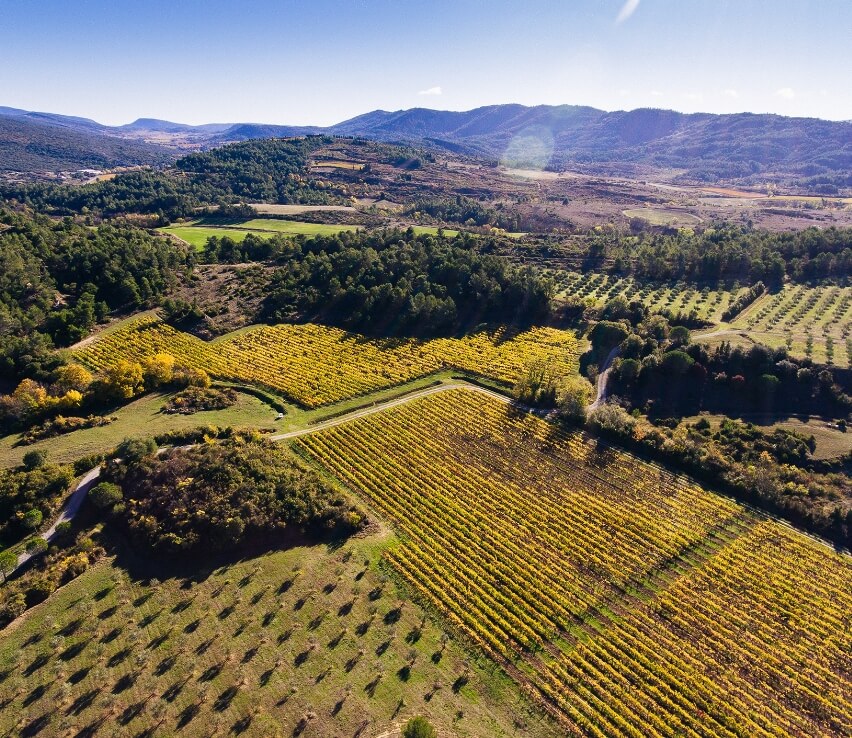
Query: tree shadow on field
[[190, 569]]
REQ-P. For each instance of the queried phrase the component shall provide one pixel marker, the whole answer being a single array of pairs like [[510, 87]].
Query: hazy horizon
[[298, 63], [387, 110]]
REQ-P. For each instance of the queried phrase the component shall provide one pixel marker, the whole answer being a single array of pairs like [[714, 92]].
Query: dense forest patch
[[220, 496]]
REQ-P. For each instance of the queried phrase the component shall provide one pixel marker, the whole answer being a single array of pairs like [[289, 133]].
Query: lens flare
[[532, 148]]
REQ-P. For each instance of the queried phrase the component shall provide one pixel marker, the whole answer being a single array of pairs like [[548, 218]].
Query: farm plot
[[295, 227], [315, 365], [308, 640], [660, 217], [197, 236], [704, 304], [627, 601], [811, 321], [196, 233]]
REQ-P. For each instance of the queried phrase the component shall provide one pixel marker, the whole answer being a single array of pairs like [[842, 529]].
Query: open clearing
[[313, 634], [658, 217], [141, 418], [354, 166], [433, 231], [628, 601], [196, 234]]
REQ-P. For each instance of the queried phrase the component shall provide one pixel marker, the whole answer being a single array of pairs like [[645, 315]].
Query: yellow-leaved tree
[[124, 379]]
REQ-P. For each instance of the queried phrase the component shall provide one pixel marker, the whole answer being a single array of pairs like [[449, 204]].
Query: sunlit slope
[[314, 364], [628, 601]]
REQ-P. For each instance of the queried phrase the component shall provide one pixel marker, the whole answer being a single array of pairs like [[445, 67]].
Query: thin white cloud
[[730, 92], [431, 91], [693, 96], [657, 93], [628, 9], [785, 92]]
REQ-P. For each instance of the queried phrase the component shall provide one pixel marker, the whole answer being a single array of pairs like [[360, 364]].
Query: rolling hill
[[699, 147], [43, 142]]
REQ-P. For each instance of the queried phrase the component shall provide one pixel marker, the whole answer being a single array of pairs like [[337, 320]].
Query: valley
[[380, 423]]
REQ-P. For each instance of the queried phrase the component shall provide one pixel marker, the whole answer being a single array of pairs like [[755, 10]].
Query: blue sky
[[321, 61]]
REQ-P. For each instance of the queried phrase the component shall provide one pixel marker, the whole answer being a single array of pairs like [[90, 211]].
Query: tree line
[[722, 253], [395, 282]]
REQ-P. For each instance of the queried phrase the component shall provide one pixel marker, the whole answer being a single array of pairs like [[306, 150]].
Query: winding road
[[603, 379], [76, 498], [72, 506], [90, 478]]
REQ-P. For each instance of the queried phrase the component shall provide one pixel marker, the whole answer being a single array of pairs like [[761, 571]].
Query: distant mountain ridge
[[705, 146]]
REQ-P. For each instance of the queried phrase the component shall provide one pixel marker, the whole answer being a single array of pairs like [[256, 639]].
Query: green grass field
[[197, 236], [295, 227], [433, 231], [196, 233], [313, 640], [139, 419]]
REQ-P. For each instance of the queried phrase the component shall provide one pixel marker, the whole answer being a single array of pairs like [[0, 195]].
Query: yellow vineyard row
[[315, 365], [628, 600]]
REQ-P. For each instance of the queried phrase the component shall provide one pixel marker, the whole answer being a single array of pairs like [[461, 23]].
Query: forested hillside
[[271, 171], [57, 279], [742, 147]]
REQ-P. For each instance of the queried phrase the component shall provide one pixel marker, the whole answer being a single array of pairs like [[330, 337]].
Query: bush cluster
[[216, 497]]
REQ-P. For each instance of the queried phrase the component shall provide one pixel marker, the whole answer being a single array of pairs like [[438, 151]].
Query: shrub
[[63, 530], [676, 362], [418, 727], [123, 380], [612, 419], [36, 546], [39, 590], [34, 459], [131, 450], [194, 399], [105, 495], [605, 335], [572, 398], [13, 607], [8, 562], [679, 335], [61, 424], [85, 463], [32, 519]]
